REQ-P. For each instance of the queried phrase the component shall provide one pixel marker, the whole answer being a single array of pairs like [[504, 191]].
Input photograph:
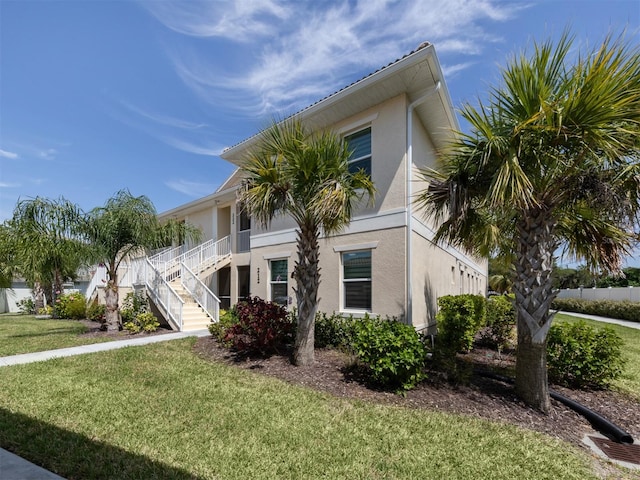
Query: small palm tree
[[125, 226], [293, 172], [47, 243], [551, 161]]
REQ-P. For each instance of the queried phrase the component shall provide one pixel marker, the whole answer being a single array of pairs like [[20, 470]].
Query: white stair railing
[[144, 273], [200, 293], [167, 254], [99, 279], [197, 259]]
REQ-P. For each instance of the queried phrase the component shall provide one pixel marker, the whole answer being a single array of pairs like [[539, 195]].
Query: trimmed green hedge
[[582, 356], [623, 310]]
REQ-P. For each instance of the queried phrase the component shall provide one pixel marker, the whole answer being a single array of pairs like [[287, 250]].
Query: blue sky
[[100, 95]]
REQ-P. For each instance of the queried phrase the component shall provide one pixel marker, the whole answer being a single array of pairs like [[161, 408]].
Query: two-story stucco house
[[395, 120]]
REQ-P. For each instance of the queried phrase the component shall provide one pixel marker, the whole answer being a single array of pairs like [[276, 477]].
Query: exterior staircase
[[194, 317], [173, 282]]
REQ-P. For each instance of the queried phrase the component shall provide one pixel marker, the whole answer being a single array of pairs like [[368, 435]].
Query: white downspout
[[409, 221]]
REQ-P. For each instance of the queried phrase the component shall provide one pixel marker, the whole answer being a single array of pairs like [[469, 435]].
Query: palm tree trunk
[[307, 276], [112, 316], [534, 293], [38, 293]]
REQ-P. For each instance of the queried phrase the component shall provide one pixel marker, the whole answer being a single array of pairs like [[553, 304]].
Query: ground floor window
[[357, 280], [244, 283], [279, 275]]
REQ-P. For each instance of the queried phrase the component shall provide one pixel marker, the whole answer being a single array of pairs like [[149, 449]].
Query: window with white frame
[[359, 144], [356, 267], [278, 281]]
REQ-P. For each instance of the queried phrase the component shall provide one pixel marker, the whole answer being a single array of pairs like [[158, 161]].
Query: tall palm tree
[[47, 243], [127, 225], [552, 161], [304, 175]]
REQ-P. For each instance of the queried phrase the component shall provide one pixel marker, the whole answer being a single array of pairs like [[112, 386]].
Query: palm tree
[[7, 256], [306, 176], [126, 226], [551, 162], [47, 244]]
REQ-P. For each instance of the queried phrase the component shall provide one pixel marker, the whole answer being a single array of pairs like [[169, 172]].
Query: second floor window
[[359, 144]]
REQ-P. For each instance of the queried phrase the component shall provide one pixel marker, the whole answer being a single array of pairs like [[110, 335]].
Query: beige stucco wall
[[203, 219], [388, 144], [387, 247], [438, 271]]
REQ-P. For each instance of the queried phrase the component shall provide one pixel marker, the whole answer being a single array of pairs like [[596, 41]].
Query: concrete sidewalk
[[96, 347], [624, 323], [13, 467]]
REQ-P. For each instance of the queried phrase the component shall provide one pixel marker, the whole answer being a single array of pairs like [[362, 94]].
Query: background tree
[[7, 256], [500, 274], [48, 248], [126, 226], [551, 161], [304, 175]]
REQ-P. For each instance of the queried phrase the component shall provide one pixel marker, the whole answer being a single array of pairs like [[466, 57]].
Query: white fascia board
[[382, 221]]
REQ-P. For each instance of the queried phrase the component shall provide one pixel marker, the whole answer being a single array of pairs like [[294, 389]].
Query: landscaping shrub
[[500, 323], [392, 353], [580, 356], [134, 303], [263, 327], [144, 322], [96, 312], [333, 330], [70, 305], [623, 310], [227, 318], [46, 310], [459, 319], [26, 306]]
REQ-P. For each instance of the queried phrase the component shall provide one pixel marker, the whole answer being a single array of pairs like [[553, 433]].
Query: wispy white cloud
[[9, 185], [299, 51], [190, 147], [185, 135], [161, 118], [48, 154], [452, 70], [9, 155], [191, 189], [239, 20]]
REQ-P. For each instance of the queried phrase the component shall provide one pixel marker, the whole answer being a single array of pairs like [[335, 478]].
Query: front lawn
[[27, 334], [629, 382], [159, 411]]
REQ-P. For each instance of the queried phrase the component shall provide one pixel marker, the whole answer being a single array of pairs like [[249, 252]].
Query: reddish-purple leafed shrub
[[263, 327]]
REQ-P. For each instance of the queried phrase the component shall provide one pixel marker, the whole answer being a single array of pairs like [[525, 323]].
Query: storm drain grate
[[618, 451]]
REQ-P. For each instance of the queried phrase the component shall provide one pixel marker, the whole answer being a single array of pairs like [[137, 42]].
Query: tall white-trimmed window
[[278, 281], [359, 144], [356, 280]]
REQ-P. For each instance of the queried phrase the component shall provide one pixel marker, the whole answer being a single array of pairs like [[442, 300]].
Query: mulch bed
[[481, 397]]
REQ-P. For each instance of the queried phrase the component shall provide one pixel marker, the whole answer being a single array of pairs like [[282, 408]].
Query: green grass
[[629, 382], [159, 411], [27, 334]]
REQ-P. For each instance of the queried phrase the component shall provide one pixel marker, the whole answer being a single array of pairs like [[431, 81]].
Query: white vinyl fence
[[611, 293]]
